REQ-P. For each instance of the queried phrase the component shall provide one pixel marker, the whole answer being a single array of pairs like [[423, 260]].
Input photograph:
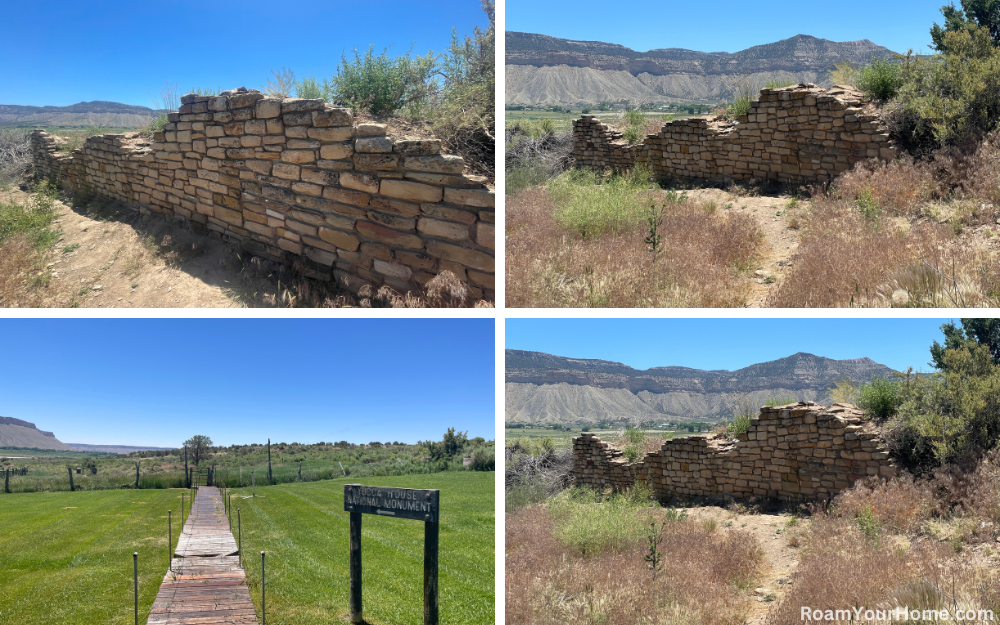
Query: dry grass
[[705, 260], [848, 258], [841, 568], [705, 577], [20, 263]]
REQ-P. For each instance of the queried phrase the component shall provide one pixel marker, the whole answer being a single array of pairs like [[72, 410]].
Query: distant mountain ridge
[[18, 433], [544, 70], [542, 388], [97, 113], [114, 449]]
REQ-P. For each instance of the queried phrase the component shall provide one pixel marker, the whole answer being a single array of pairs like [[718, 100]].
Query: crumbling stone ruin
[[798, 452], [290, 178], [799, 134]]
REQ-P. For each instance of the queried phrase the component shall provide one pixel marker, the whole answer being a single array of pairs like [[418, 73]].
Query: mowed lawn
[[305, 531], [67, 557]]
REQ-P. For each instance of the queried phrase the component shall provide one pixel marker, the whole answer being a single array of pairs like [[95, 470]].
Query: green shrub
[[483, 459], [591, 206], [380, 83], [739, 106], [879, 80], [738, 425], [779, 83], [591, 523], [526, 174], [32, 218], [949, 97], [879, 398]]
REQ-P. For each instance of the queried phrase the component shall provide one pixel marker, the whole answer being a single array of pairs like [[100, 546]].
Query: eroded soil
[[109, 256]]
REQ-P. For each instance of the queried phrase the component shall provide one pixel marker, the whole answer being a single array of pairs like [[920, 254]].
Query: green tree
[[973, 332], [198, 446], [985, 13]]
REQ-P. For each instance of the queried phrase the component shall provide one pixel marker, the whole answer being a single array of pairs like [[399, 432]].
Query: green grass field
[[304, 530], [67, 557]]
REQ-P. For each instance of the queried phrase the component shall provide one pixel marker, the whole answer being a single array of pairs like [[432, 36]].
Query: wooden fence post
[[355, 566], [430, 573], [6, 480], [70, 470]]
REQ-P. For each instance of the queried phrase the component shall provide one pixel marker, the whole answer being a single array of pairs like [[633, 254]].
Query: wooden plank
[[206, 585]]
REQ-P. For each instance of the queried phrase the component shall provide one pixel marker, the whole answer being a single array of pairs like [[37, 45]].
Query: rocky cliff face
[[18, 433], [542, 388], [543, 70]]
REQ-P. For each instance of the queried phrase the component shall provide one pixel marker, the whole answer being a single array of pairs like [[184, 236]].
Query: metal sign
[[403, 503]]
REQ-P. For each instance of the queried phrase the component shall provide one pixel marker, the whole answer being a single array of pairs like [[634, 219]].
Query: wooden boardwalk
[[207, 585]]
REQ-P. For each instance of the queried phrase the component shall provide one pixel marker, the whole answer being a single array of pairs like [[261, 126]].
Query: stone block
[[332, 116], [298, 105], [331, 134], [368, 183], [373, 144], [298, 156], [336, 151], [406, 190]]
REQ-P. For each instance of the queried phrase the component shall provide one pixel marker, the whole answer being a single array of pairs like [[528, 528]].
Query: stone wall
[[297, 179], [798, 452], [799, 134]]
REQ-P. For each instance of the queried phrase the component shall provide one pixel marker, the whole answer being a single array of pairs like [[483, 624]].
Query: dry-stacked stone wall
[[291, 178], [798, 452], [799, 134]]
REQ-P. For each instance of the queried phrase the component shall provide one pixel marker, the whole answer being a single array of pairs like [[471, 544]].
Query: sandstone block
[[406, 190], [441, 164], [373, 144], [461, 255], [332, 116], [482, 198], [331, 134], [298, 156], [335, 152], [297, 119], [359, 181], [443, 229], [370, 130], [392, 269], [388, 235], [298, 105], [342, 240], [243, 100], [415, 147]]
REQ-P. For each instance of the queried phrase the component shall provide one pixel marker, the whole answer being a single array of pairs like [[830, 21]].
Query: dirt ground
[[109, 256], [778, 216], [781, 534], [781, 215]]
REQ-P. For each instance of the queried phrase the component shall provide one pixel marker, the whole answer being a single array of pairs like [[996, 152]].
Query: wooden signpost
[[403, 503]]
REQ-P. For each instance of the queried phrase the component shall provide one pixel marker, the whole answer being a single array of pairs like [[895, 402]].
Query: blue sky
[[728, 343], [60, 52], [158, 382], [728, 25]]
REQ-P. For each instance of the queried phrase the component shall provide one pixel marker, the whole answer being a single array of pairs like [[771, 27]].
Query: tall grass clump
[[590, 205], [743, 88], [591, 523]]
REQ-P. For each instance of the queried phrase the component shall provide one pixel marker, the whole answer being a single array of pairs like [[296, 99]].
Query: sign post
[[403, 503]]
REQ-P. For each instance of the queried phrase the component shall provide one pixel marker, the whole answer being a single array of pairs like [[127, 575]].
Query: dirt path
[[109, 256], [778, 535], [779, 217]]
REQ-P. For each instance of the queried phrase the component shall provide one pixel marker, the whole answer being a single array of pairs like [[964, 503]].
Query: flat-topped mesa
[[802, 133], [798, 452], [295, 178]]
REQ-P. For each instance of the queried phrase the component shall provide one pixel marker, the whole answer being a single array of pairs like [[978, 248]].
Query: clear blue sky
[[728, 25], [60, 52], [728, 343], [158, 382]]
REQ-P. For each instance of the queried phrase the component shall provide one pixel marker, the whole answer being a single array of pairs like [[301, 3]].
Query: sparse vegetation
[[581, 241]]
